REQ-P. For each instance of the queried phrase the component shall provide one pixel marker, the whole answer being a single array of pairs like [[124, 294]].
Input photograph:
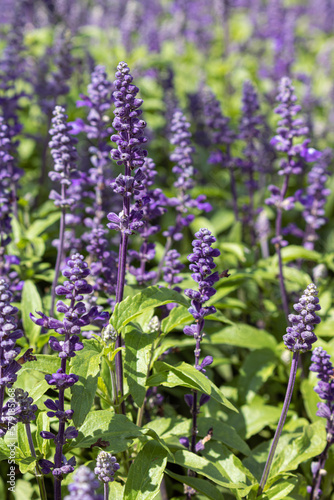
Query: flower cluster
[[322, 365], [64, 156], [75, 317], [25, 410], [106, 466], [201, 265], [84, 485], [9, 365], [300, 337], [182, 156]]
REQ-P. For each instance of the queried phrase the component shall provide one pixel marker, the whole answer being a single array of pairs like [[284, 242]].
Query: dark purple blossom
[[83, 486], [300, 336]]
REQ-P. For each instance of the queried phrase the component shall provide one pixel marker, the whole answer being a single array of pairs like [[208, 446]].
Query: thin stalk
[[286, 404], [119, 296], [318, 477], [278, 233], [60, 436], [162, 262], [59, 253], [105, 491], [38, 474]]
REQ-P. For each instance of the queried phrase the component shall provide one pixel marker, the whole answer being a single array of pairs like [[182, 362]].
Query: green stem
[[38, 474]]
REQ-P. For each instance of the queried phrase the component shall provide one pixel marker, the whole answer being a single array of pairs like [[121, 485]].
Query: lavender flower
[[250, 132], [106, 466], [322, 365], [299, 338], [222, 137], [64, 156], [75, 317], [129, 153], [288, 129], [9, 334], [201, 265], [84, 485]]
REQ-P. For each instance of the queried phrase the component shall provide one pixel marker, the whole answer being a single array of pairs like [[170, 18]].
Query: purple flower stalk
[[250, 132], [322, 365], [129, 153], [185, 171], [84, 485], [75, 317], [25, 413], [221, 137], [298, 338], [106, 466], [64, 156], [201, 264], [316, 197], [288, 129]]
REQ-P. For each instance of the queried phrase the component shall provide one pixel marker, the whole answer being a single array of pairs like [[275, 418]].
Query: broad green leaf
[[43, 424], [228, 463], [22, 440], [138, 346], [187, 376], [237, 249], [44, 363], [177, 316], [4, 450], [294, 252], [293, 451], [257, 368], [39, 390], [200, 485], [310, 397], [222, 432], [204, 467], [253, 418], [151, 297], [280, 490], [242, 335], [146, 473], [116, 491], [86, 364], [105, 425], [38, 226], [31, 302]]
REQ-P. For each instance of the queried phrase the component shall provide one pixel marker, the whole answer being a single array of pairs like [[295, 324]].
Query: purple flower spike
[[323, 367], [106, 466], [300, 336], [83, 486]]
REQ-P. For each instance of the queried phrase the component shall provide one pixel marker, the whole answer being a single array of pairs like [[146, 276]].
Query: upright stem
[[60, 436], [286, 404], [105, 491], [60, 252], [278, 248], [119, 295], [318, 477], [38, 474]]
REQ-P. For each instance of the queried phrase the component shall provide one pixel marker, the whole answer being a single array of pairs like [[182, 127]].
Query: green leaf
[[200, 485], [39, 390], [310, 398], [86, 364], [151, 297], [280, 490], [44, 363], [4, 450], [105, 425], [253, 418], [138, 346], [204, 467], [146, 473], [242, 335], [116, 491], [222, 432], [257, 368], [43, 424], [294, 252], [38, 226], [177, 316], [22, 440], [237, 249], [186, 375], [31, 302], [294, 450]]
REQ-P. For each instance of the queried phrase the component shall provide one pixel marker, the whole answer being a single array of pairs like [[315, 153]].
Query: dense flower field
[[166, 249]]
